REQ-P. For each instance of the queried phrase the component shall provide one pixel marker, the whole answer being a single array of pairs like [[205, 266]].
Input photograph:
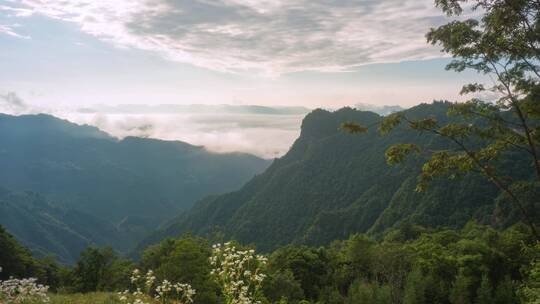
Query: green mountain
[[331, 184], [48, 229], [130, 185]]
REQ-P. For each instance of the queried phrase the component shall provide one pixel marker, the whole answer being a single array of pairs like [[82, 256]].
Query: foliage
[[183, 260], [504, 44], [430, 267], [145, 290], [484, 293], [16, 260], [308, 266], [411, 264], [87, 298], [93, 189], [366, 293], [281, 286], [530, 290], [332, 184], [99, 269], [415, 288]]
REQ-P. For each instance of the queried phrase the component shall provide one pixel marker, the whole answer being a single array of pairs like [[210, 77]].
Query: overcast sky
[[58, 54]]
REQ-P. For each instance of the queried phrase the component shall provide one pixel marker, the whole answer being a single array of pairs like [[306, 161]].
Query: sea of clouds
[[264, 135], [264, 131]]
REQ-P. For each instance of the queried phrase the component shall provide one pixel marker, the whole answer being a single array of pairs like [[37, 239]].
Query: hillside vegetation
[[332, 184], [91, 188], [410, 265]]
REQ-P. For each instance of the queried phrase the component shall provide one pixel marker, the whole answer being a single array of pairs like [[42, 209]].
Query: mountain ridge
[[133, 184], [332, 184]]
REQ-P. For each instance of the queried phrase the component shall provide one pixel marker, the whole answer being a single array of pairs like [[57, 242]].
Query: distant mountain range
[[121, 189], [381, 110], [194, 108], [331, 184], [224, 109], [65, 186]]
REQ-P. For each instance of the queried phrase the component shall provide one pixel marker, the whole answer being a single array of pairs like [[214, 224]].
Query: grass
[[87, 298]]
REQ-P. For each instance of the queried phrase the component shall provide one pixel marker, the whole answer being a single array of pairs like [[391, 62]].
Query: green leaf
[[354, 128], [429, 123], [472, 88], [397, 153], [390, 122]]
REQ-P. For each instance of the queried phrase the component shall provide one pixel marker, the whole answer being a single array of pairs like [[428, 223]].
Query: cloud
[[265, 36], [9, 30], [16, 11], [264, 131], [11, 103], [379, 109], [265, 135]]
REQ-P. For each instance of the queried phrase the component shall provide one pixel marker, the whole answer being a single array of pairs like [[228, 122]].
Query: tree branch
[[515, 104], [492, 177]]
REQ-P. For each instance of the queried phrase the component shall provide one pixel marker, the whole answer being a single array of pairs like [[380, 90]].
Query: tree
[[183, 260], [91, 273], [484, 294], [362, 292], [460, 293], [308, 265], [330, 295], [414, 288], [505, 292], [351, 259], [485, 136], [530, 290], [281, 285], [15, 260], [392, 266], [50, 272]]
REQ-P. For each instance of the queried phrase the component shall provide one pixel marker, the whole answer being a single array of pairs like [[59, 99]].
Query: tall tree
[[484, 294], [414, 288], [91, 271], [504, 44], [15, 260]]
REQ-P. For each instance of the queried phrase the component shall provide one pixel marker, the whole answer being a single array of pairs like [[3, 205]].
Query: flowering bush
[[22, 291], [239, 272], [166, 292]]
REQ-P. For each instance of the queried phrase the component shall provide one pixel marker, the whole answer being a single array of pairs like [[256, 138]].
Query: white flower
[[23, 290], [238, 272], [165, 292]]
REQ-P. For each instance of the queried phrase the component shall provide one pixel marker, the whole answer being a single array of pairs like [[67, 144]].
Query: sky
[[57, 56]]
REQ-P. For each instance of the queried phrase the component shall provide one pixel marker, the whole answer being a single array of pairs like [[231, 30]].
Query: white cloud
[[267, 136], [16, 11], [264, 131], [266, 36], [9, 30]]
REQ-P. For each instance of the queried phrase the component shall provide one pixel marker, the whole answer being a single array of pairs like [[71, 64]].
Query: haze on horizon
[[58, 57]]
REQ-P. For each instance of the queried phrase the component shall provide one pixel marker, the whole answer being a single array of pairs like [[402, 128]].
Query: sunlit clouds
[[271, 37], [218, 130], [64, 57], [264, 131]]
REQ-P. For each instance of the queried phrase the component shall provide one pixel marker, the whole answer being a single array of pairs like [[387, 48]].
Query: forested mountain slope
[[331, 184], [53, 230], [133, 184]]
